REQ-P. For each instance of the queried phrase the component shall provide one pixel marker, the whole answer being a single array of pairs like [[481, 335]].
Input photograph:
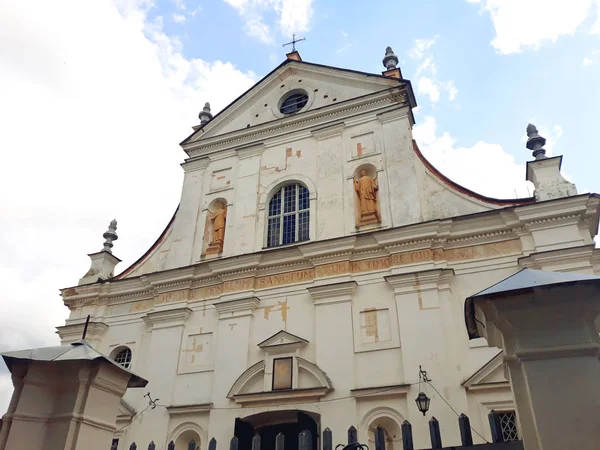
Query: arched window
[[123, 357], [288, 216]]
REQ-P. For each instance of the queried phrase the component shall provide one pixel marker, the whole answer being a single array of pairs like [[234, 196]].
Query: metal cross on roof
[[293, 43]]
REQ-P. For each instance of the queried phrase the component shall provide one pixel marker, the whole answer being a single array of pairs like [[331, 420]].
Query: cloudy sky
[[95, 96]]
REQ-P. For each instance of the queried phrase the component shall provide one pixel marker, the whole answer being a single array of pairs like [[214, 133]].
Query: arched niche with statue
[[214, 230], [366, 198]]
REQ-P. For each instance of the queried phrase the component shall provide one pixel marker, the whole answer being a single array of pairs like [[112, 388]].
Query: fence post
[[379, 438], [256, 442], [233, 445], [352, 435], [133, 446], [279, 441], [407, 437], [434, 433], [327, 439], [305, 440], [464, 424], [495, 427], [212, 445], [171, 446], [192, 445]]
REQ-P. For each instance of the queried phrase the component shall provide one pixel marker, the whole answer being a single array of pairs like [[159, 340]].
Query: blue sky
[[510, 62], [97, 95]]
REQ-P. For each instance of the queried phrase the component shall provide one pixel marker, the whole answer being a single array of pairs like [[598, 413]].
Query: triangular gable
[[282, 338], [259, 104], [489, 376], [125, 411]]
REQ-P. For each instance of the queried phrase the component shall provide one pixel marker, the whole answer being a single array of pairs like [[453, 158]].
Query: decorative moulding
[[191, 165], [393, 390], [280, 397], [175, 410], [237, 308], [329, 131], [74, 332], [167, 318], [439, 279], [481, 379], [246, 376], [249, 151], [333, 293], [575, 258]]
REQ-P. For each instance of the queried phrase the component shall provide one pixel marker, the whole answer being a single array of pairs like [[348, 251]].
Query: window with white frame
[[123, 357], [288, 215]]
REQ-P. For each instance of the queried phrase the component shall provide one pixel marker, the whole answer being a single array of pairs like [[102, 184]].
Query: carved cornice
[[333, 293], [237, 308], [175, 410], [74, 331], [192, 165], [465, 243], [167, 318], [426, 280]]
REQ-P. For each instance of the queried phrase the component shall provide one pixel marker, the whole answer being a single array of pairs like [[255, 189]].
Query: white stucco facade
[[357, 309]]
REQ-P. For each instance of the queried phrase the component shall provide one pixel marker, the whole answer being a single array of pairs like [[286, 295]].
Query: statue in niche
[[366, 188], [218, 219]]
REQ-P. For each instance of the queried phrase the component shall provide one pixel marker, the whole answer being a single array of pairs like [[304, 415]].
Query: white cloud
[[426, 74], [484, 168], [178, 18], [587, 61], [420, 47], [428, 87], [293, 16], [527, 24], [91, 122]]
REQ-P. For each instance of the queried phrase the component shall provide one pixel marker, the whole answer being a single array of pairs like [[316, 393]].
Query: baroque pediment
[[489, 376], [324, 86], [282, 341]]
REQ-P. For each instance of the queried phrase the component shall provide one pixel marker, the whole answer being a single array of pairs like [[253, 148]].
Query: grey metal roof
[[531, 278], [79, 350]]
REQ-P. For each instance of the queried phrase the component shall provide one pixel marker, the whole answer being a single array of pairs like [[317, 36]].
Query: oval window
[[294, 102]]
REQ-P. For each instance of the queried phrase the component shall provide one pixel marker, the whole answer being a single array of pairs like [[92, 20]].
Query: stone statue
[[218, 219], [366, 188]]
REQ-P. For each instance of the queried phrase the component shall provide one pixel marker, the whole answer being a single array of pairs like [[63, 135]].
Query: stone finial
[[205, 116], [110, 235], [390, 60], [535, 142]]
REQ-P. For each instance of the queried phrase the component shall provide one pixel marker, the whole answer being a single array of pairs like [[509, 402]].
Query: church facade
[[316, 262]]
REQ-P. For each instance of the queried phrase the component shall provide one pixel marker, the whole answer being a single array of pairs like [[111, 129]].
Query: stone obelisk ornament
[[367, 188]]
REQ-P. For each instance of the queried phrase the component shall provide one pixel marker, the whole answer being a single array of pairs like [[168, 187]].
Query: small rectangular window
[[508, 425], [282, 373], [115, 444]]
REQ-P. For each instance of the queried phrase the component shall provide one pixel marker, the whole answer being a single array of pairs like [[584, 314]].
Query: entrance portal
[[268, 425]]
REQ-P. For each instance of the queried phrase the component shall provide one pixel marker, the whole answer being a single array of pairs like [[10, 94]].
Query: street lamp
[[422, 399], [423, 402]]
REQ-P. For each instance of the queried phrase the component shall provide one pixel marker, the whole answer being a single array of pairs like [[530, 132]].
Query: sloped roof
[[531, 278], [75, 351], [523, 280]]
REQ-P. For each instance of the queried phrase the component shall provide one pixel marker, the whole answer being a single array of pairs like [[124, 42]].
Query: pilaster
[[335, 343], [233, 341], [427, 334]]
